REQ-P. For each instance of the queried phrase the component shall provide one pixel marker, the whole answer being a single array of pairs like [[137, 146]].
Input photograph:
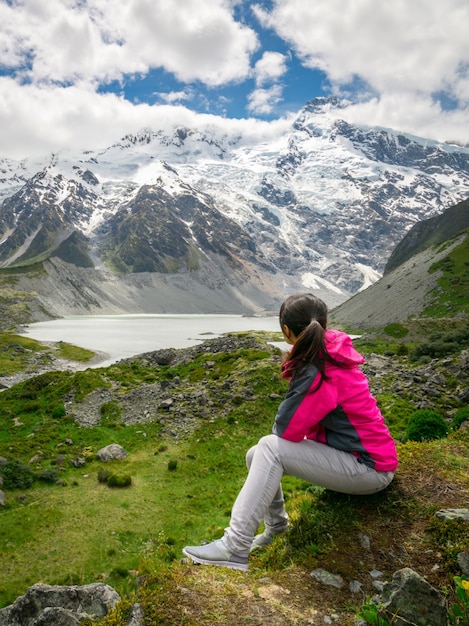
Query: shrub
[[119, 480], [172, 465], [110, 411], [396, 330], [17, 475], [103, 475], [425, 425], [441, 344], [58, 412], [460, 416], [402, 350], [48, 476]]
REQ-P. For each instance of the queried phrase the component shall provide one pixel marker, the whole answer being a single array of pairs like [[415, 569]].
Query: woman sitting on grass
[[328, 431]]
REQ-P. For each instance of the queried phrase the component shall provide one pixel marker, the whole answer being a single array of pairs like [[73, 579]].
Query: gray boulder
[[450, 514], [57, 616], [112, 452], [48, 605], [463, 562], [410, 599]]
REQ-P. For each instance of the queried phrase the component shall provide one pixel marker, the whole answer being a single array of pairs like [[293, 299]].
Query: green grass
[[74, 353], [451, 298], [182, 490], [14, 352], [108, 529], [78, 532]]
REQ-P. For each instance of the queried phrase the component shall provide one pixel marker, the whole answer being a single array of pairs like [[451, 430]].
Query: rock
[[410, 599], [166, 404], [328, 579], [3, 498], [78, 462], [450, 514], [136, 616], [111, 452], [463, 562], [48, 605], [355, 586], [57, 616]]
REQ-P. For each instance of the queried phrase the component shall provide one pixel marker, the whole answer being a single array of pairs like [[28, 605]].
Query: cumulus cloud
[[175, 96], [76, 117], [393, 46], [103, 40], [262, 101], [405, 65], [406, 54], [270, 67]]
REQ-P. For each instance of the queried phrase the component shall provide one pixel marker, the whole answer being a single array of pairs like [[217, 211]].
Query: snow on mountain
[[325, 203]]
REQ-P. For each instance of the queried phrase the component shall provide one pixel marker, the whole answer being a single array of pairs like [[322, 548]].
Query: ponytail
[[310, 348], [306, 316]]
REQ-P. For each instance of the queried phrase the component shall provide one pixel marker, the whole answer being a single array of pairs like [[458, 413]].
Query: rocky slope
[[401, 294], [56, 289], [426, 274]]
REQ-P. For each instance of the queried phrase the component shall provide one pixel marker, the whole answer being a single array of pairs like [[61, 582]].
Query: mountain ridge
[[427, 276], [434, 230], [323, 204]]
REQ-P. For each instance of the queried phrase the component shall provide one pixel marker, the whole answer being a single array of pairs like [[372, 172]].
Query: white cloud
[[418, 116], [43, 120], [270, 67], [407, 53], [176, 96], [56, 53], [394, 46], [263, 101], [104, 39]]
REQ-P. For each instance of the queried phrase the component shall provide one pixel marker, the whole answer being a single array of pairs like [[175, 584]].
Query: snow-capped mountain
[[321, 207]]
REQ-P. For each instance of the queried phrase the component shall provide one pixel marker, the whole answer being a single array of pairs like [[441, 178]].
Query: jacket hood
[[340, 347]]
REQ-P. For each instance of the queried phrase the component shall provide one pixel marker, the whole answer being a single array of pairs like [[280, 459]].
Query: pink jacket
[[341, 413]]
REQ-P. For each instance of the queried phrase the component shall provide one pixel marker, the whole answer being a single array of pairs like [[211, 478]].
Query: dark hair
[[306, 316]]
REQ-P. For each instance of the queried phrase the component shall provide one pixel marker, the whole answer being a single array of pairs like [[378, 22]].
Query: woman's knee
[[267, 441], [249, 456]]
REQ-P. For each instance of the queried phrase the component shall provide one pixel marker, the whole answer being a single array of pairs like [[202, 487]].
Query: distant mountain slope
[[320, 207], [428, 232], [433, 282]]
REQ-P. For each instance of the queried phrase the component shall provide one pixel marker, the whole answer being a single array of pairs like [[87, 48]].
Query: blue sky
[[295, 85], [83, 73]]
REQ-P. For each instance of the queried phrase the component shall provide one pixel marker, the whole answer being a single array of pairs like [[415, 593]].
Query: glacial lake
[[122, 336]]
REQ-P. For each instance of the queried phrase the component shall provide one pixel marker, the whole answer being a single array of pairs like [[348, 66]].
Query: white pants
[[261, 497]]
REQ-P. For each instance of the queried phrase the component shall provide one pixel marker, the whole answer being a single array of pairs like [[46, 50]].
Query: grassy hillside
[[433, 283], [451, 296], [64, 524], [430, 232]]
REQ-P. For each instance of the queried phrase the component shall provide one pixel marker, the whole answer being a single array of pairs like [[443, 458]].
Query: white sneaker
[[216, 553]]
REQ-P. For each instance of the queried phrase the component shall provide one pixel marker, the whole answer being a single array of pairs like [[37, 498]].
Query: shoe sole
[[231, 564]]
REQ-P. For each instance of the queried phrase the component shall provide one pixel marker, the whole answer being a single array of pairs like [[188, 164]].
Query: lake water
[[122, 336]]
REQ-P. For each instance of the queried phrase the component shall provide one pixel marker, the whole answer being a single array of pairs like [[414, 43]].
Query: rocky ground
[[182, 406]]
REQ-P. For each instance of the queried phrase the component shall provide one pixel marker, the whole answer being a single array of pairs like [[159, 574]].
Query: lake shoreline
[[122, 336]]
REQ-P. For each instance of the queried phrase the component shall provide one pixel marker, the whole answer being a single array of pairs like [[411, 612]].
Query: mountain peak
[[326, 199]]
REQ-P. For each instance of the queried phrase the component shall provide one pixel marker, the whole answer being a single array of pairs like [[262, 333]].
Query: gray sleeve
[[299, 386]]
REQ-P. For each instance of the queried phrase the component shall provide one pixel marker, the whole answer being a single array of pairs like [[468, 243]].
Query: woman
[[327, 431]]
